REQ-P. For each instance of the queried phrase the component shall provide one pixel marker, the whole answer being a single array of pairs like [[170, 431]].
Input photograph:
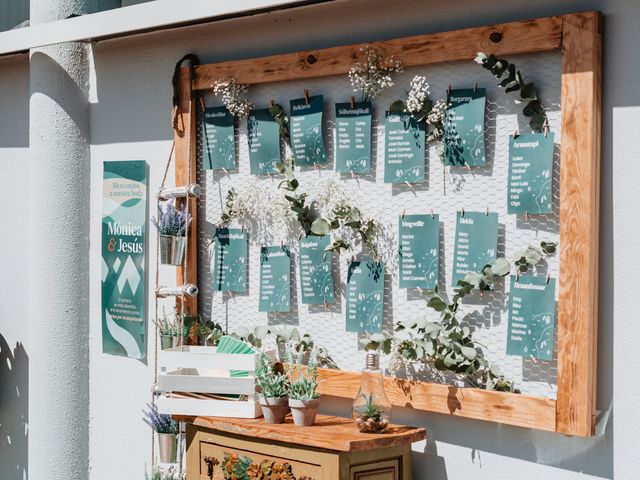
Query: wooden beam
[[579, 223], [185, 174], [538, 35], [500, 407]]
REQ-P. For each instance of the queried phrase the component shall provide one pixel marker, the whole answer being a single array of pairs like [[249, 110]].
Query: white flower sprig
[[418, 95], [232, 96], [373, 73]]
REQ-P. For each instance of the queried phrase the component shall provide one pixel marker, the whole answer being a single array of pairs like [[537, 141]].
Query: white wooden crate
[[192, 380]]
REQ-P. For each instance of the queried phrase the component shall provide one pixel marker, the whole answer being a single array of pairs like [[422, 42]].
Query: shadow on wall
[[14, 411]]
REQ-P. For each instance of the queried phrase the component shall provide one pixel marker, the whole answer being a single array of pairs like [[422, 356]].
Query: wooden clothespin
[[516, 134], [462, 211], [548, 277], [545, 128], [432, 215], [449, 90], [271, 103], [403, 213], [526, 215], [352, 101], [487, 211], [306, 96], [202, 105], [475, 87]]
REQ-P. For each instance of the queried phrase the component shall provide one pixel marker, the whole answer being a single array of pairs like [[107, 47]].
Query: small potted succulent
[[167, 430], [303, 385], [170, 332], [158, 473], [370, 416], [172, 226], [274, 389]]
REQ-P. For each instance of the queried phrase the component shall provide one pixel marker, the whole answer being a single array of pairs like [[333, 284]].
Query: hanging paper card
[[316, 277], [475, 244], [275, 279], [306, 131], [404, 149], [464, 128], [353, 137], [218, 139], [230, 260], [418, 252], [531, 317], [365, 296], [263, 134], [530, 168], [124, 216]]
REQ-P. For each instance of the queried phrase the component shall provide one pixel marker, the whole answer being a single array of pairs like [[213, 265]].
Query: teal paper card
[[530, 170], [307, 143], [230, 260], [218, 139], [532, 307], [464, 128], [275, 279], [403, 149], [418, 252], [353, 137], [263, 135], [316, 276], [124, 220], [475, 243], [365, 297]]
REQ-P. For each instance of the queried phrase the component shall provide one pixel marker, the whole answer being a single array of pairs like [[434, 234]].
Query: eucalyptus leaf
[[501, 267], [320, 227]]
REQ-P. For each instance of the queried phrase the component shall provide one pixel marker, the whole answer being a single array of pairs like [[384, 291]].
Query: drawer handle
[[211, 462]]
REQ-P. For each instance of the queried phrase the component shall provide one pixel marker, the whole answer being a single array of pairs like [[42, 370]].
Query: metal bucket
[[171, 250], [167, 443], [171, 341]]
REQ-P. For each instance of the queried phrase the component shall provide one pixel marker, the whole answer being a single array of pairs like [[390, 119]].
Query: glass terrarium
[[372, 408]]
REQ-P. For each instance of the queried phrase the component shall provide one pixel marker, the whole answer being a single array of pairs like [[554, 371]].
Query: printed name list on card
[[530, 173], [230, 260], [353, 137], [263, 136], [464, 128], [365, 296], [475, 245], [316, 276], [307, 143], [418, 251], [218, 139], [275, 279], [404, 156]]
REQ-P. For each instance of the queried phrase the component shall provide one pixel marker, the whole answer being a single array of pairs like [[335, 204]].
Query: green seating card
[[418, 250], [316, 276], [218, 139], [530, 173], [404, 149], [353, 137], [475, 243], [275, 279], [263, 136], [307, 143], [365, 296], [230, 260], [464, 128], [531, 317]]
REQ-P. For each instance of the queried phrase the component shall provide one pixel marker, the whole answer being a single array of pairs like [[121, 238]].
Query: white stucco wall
[[131, 96]]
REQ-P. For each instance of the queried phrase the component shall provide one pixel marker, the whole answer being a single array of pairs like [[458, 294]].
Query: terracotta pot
[[274, 409], [304, 411], [167, 443]]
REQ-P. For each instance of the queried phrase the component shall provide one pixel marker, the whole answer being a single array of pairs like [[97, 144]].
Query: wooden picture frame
[[578, 37]]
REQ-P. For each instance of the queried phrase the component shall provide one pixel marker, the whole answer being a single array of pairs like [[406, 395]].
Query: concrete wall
[[131, 95]]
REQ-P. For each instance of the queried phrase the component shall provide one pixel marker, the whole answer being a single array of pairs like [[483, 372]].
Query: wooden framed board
[[577, 37]]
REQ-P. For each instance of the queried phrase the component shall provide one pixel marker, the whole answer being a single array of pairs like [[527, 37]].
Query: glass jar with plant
[[172, 226], [303, 388], [274, 389], [372, 408], [167, 430]]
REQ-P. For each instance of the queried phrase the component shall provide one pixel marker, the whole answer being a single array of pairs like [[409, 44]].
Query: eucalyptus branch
[[277, 112], [514, 82]]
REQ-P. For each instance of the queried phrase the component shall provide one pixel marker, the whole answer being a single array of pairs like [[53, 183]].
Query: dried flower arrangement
[[172, 221], [232, 94], [159, 422], [373, 73]]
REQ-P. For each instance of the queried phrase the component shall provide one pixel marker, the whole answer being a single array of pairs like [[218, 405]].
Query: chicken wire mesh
[[445, 191]]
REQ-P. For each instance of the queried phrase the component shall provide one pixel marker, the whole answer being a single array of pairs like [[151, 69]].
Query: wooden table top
[[329, 433]]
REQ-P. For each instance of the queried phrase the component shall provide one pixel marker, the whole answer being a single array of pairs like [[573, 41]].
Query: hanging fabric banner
[[404, 149], [464, 128], [530, 169], [531, 317], [124, 219], [231, 247], [419, 251], [307, 143], [263, 135], [218, 139], [353, 137], [275, 279], [365, 297], [316, 276], [475, 243]]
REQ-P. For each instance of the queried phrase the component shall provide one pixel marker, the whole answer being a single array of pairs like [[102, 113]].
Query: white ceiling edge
[[133, 19]]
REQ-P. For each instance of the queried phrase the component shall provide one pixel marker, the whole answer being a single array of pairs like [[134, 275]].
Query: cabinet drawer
[[387, 470], [298, 468]]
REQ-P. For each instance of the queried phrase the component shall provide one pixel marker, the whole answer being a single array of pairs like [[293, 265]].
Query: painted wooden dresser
[[332, 449]]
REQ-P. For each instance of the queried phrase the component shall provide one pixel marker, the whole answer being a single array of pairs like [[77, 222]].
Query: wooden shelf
[[329, 433]]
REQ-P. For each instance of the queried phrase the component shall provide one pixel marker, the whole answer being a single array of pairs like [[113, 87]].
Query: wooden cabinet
[[330, 450]]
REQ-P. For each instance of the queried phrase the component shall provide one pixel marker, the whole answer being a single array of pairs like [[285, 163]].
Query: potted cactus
[[172, 226], [303, 385], [167, 430], [274, 389]]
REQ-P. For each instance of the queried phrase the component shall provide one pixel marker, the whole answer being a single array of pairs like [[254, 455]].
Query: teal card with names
[[316, 275], [532, 308], [419, 251], [275, 279], [218, 139], [230, 260], [307, 143], [263, 136], [353, 137], [475, 244], [530, 173], [365, 296], [464, 128], [404, 149]]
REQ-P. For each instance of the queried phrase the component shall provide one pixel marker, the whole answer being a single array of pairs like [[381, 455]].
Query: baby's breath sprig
[[232, 96], [373, 73]]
